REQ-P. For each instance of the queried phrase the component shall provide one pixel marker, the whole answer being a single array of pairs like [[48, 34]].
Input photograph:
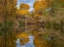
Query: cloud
[[31, 9]]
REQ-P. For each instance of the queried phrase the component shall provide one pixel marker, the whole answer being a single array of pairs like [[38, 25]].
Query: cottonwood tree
[[7, 8]]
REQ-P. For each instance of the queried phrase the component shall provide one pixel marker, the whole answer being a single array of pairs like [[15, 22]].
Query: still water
[[28, 44], [32, 36], [25, 38]]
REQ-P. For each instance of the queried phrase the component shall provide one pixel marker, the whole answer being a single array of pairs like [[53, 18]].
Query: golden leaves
[[23, 9], [24, 41], [8, 6], [38, 5], [23, 38], [36, 15], [24, 6], [23, 35], [22, 12], [40, 42]]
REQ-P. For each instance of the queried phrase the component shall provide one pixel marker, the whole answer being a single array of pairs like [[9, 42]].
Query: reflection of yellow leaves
[[40, 42], [1, 41], [23, 35], [24, 40], [35, 33]]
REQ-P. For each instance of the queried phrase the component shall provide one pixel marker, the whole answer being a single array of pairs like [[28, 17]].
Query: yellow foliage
[[9, 8], [35, 33], [23, 35], [22, 12], [24, 6], [36, 15], [24, 40], [38, 5], [40, 42]]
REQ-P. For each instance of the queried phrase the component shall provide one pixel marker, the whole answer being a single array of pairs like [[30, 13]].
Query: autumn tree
[[22, 12], [40, 42], [24, 6], [23, 38], [7, 10], [40, 7], [23, 9], [56, 6]]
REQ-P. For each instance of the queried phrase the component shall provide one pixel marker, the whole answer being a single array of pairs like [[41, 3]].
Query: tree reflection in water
[[31, 37], [25, 41], [10, 39], [36, 36]]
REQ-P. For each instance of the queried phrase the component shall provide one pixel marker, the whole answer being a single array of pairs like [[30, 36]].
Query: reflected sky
[[29, 44]]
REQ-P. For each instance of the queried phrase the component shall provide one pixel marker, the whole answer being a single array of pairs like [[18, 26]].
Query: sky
[[29, 44], [29, 2]]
